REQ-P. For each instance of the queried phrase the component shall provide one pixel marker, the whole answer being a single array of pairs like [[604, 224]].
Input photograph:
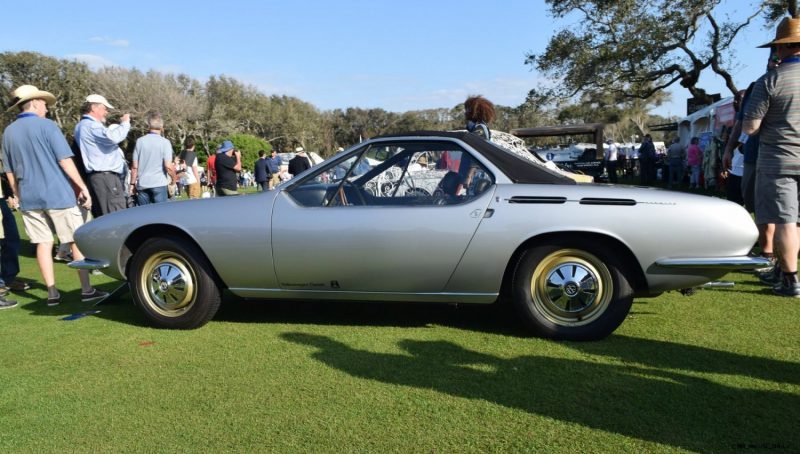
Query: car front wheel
[[172, 282], [571, 291]]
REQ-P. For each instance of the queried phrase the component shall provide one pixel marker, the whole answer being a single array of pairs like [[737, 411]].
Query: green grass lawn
[[715, 372]]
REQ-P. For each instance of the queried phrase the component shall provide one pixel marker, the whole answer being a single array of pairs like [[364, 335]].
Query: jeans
[[694, 179], [675, 173], [151, 195], [9, 246]]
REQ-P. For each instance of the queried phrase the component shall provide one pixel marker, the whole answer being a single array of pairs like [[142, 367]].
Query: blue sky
[[395, 55]]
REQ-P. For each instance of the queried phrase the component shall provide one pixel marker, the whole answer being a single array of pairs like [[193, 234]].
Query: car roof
[[508, 162]]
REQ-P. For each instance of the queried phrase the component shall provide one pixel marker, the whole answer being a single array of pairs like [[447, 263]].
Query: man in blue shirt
[[38, 164], [102, 157], [274, 164]]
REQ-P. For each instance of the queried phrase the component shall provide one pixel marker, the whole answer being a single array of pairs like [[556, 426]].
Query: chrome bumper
[[88, 264], [719, 263]]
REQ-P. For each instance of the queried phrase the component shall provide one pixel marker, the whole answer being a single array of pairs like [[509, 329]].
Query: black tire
[[172, 283], [571, 290]]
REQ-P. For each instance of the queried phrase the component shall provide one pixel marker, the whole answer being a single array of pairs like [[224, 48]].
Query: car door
[[395, 232]]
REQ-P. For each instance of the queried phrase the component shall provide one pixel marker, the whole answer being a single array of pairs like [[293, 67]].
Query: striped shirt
[[774, 100]]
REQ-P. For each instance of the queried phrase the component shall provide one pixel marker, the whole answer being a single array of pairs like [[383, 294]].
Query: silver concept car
[[369, 225]]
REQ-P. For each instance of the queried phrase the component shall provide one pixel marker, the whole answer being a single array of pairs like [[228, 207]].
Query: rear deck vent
[[603, 201], [537, 199]]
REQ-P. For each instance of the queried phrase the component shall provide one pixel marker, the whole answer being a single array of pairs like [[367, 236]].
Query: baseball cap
[[98, 99]]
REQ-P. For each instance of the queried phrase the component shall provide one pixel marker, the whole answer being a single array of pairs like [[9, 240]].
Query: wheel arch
[[633, 271], [137, 238]]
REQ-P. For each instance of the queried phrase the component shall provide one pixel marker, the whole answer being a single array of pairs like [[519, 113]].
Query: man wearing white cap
[[38, 164], [103, 159]]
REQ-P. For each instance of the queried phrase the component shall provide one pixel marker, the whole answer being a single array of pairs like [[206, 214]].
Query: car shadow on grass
[[493, 318], [485, 318], [645, 398]]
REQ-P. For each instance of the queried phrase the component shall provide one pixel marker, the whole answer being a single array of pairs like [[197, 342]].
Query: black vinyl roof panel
[[516, 168]]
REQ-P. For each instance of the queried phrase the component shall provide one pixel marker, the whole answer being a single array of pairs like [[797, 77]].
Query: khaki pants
[[274, 180], [193, 190]]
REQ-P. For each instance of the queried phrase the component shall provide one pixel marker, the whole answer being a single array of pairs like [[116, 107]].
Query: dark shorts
[[107, 191], [749, 187], [776, 198]]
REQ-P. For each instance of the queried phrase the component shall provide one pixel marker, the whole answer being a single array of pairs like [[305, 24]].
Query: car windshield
[[413, 173]]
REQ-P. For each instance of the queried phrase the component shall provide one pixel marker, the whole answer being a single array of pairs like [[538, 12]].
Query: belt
[[104, 171]]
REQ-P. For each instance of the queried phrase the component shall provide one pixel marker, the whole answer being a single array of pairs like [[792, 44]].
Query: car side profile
[[431, 216]]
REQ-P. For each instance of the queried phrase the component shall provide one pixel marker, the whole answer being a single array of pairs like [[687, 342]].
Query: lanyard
[[794, 59], [26, 115]]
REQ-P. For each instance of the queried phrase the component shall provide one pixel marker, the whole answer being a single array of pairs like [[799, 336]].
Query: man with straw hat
[[38, 164], [773, 110]]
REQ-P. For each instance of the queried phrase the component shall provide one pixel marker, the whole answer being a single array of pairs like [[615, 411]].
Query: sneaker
[[772, 277], [788, 289], [94, 295], [63, 258], [18, 286], [766, 269], [7, 304], [55, 301]]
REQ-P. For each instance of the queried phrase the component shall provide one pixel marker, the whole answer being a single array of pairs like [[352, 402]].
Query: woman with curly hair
[[479, 112]]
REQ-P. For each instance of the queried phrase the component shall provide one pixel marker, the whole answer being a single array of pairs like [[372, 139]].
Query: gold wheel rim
[[168, 284], [570, 287]]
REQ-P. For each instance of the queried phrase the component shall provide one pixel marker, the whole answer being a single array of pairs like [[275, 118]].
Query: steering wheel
[[407, 180], [440, 198]]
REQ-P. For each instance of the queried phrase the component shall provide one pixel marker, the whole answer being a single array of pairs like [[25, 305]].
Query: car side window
[[397, 174]]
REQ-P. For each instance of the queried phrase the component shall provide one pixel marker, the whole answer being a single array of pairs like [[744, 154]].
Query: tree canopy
[[225, 108], [637, 48]]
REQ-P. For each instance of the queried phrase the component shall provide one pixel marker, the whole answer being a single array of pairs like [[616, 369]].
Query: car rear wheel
[[571, 290], [173, 284]]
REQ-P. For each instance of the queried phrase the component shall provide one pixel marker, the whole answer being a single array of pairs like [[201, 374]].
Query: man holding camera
[[102, 157], [227, 164]]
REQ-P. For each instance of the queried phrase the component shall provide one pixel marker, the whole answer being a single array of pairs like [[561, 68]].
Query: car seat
[[450, 184]]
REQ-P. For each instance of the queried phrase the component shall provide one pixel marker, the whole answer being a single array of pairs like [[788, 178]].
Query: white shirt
[[611, 152]]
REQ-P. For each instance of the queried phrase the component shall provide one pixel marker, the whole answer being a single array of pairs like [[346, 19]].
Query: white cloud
[[116, 42], [94, 61]]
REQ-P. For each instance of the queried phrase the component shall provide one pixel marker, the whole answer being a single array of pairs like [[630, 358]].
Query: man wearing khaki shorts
[[38, 163]]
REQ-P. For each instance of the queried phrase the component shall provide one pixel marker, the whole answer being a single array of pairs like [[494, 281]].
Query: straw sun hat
[[788, 32], [25, 93]]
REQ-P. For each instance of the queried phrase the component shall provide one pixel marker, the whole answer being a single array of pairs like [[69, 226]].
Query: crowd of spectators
[[58, 186]]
